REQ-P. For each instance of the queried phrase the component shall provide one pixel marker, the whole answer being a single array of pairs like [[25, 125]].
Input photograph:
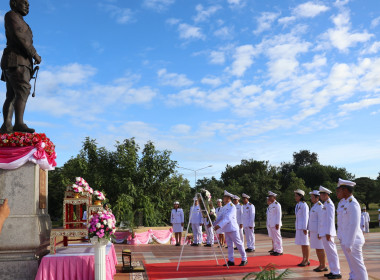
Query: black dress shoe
[[270, 251], [249, 250], [320, 269], [328, 274], [277, 254], [243, 263], [229, 264], [23, 128], [235, 248], [208, 245], [335, 276], [304, 264]]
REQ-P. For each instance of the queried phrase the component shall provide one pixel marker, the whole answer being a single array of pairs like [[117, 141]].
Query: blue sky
[[212, 81]]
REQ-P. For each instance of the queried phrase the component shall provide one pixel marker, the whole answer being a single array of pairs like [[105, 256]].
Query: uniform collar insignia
[[275, 202], [319, 203], [328, 201], [350, 200]]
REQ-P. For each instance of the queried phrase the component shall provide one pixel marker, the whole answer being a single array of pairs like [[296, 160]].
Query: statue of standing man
[[17, 66]]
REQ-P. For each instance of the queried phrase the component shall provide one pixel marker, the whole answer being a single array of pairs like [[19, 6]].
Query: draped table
[[75, 262]]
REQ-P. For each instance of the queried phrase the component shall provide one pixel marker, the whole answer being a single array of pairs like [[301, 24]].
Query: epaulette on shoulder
[[328, 201], [303, 201], [276, 202], [350, 200], [250, 203], [319, 203], [231, 204]]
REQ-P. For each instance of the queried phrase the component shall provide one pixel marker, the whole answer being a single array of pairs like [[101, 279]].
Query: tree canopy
[[141, 184]]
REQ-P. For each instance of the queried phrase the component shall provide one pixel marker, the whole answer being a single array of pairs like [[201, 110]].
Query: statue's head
[[20, 6]]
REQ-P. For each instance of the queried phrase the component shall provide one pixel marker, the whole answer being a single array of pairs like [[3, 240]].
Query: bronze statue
[[17, 66]]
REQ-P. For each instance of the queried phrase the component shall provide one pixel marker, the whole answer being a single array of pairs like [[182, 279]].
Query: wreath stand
[[199, 195]]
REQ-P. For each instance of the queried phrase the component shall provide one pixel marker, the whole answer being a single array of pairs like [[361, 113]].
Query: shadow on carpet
[[209, 267]]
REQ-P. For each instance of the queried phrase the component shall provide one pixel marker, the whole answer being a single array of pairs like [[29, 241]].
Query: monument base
[[26, 233]]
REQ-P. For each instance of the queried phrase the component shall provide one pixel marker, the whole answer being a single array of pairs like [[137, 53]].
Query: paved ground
[[170, 253]]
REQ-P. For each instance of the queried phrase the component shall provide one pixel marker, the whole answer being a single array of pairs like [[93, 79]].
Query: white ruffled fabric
[[43, 163]]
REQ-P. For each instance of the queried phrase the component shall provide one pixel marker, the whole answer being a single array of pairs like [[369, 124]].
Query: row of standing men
[[314, 228]]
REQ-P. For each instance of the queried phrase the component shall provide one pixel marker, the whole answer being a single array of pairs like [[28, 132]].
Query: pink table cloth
[[75, 262]]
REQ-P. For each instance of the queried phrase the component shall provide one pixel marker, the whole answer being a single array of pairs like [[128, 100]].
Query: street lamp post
[[195, 172]]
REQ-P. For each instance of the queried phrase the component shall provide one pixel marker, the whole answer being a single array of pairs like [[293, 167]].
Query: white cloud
[[121, 15], [264, 22], [236, 2], [375, 22], [173, 79], [341, 37], [309, 9], [69, 91], [158, 5], [243, 59], [217, 57], [181, 129], [286, 20], [212, 81], [224, 32], [204, 14], [372, 49], [187, 31], [355, 106], [318, 61], [173, 21]]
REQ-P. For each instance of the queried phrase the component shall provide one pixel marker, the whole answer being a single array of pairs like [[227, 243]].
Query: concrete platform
[[170, 253]]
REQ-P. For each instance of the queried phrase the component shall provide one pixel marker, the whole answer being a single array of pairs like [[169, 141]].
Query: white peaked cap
[[364, 208], [176, 202], [342, 182], [323, 189], [236, 197], [195, 198], [226, 193], [219, 199], [272, 194], [301, 192], [245, 195], [267, 197], [315, 192]]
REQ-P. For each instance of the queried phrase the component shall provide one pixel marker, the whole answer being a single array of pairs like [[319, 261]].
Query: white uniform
[[364, 222], [228, 223], [302, 219], [315, 242], [353, 239], [268, 229], [218, 211], [248, 221], [177, 219], [209, 230], [326, 225], [339, 212], [273, 219], [196, 221], [239, 212]]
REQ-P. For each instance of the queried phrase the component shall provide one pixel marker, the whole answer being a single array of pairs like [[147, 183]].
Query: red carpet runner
[[209, 267]]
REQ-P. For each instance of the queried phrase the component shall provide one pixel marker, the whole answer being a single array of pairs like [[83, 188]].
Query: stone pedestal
[[25, 234]]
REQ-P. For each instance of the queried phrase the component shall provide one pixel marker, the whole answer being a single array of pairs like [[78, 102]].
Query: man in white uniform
[[226, 220], [326, 231], [248, 221], [352, 236], [209, 230], [268, 230], [239, 211], [196, 222], [364, 220], [275, 223]]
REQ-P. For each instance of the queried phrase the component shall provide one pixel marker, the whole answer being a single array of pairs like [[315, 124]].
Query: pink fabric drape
[[9, 154], [72, 267]]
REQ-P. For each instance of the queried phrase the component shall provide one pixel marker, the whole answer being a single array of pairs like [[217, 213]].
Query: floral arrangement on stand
[[99, 197], [102, 225], [209, 206], [83, 183], [77, 189]]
